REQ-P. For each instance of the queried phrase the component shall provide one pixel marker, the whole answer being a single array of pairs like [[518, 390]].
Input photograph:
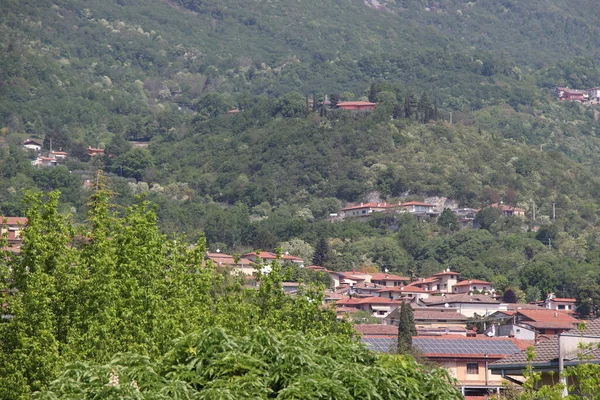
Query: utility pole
[[553, 211], [450, 117], [533, 210]]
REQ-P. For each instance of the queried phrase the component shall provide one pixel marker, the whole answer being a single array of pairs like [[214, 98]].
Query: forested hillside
[[466, 111]]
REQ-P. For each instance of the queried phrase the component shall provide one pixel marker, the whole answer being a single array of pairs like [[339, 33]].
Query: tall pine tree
[[406, 328], [321, 252]]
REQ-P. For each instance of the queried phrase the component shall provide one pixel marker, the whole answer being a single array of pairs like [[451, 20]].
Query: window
[[472, 369], [364, 211], [561, 307]]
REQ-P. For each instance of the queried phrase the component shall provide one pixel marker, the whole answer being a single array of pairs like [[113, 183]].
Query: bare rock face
[[441, 203], [373, 197], [374, 4]]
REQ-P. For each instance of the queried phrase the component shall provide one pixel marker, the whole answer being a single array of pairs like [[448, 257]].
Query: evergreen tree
[[509, 296], [406, 328], [334, 100], [321, 252], [425, 109], [410, 104], [372, 93], [448, 220]]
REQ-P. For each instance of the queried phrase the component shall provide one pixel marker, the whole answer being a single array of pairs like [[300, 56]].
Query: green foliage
[[265, 363]]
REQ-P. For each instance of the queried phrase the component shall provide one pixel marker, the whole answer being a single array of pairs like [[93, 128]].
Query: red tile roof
[[402, 289], [376, 329], [369, 205], [472, 282], [563, 300], [369, 300], [355, 103], [445, 273], [417, 203], [381, 276], [545, 315], [13, 221], [271, 256]]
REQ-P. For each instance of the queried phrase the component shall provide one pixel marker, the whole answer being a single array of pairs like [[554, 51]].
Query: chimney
[[555, 315], [361, 203]]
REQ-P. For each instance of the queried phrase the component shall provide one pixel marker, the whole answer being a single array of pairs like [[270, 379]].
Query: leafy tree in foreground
[[406, 329], [265, 363]]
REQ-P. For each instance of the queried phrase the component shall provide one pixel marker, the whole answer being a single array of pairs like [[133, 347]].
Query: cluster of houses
[[52, 158], [462, 324], [585, 96], [465, 216]]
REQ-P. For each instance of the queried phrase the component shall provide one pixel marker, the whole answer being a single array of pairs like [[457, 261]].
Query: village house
[[42, 161], [556, 303], [228, 261], [407, 293], [570, 348], [378, 306], [479, 305], [58, 155], [388, 280], [12, 228], [357, 105], [32, 145], [473, 285], [465, 216], [531, 324], [418, 208], [567, 94], [467, 359], [431, 319], [366, 209], [269, 257], [92, 152], [509, 211]]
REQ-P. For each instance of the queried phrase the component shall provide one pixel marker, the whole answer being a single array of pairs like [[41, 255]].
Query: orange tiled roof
[[472, 282], [13, 221], [417, 203], [369, 205], [380, 276]]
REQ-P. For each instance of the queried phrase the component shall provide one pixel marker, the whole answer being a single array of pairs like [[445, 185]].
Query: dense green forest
[[465, 111]]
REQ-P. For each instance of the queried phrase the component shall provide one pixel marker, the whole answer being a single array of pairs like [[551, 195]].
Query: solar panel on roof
[[447, 346]]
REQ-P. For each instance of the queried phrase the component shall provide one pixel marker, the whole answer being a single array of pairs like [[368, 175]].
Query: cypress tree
[[321, 252], [406, 328], [373, 93]]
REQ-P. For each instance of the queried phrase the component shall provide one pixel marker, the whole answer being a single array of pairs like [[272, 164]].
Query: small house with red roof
[[32, 145], [543, 321], [567, 94], [380, 307], [227, 261], [58, 155], [467, 359], [12, 228], [473, 285], [557, 303], [417, 207], [406, 293], [92, 152], [388, 280], [266, 256], [509, 211], [366, 209], [357, 105]]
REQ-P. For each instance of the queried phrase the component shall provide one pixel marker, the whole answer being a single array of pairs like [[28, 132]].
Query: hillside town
[[462, 324]]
